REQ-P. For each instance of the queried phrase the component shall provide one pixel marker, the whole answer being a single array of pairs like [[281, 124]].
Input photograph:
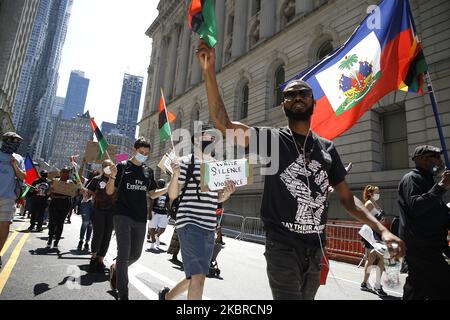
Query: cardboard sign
[[214, 174], [165, 163], [93, 150], [62, 187], [52, 175]]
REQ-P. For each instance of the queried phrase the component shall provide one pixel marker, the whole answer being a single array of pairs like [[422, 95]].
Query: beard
[[299, 116]]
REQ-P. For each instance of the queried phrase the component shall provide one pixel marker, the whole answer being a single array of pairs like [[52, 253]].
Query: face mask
[[107, 170], [140, 157], [376, 196], [10, 147], [205, 144]]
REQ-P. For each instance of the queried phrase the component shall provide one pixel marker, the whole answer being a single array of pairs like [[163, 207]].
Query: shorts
[[7, 210], [158, 221], [197, 245]]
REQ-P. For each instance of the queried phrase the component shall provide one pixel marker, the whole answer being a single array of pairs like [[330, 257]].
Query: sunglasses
[[289, 95]]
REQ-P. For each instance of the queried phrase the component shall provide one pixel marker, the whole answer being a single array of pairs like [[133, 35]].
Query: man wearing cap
[[294, 204], [40, 193], [12, 171], [424, 224]]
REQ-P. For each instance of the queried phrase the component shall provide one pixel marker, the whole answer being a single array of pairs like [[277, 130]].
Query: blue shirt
[[7, 175]]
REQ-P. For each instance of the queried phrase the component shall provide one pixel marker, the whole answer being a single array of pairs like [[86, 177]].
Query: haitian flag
[[381, 56], [202, 20], [31, 174], [165, 118]]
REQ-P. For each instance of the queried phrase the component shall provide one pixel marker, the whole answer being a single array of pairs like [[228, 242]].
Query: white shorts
[[7, 209], [158, 221]]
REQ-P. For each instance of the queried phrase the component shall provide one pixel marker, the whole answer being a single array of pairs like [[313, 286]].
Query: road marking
[[136, 269], [10, 239], [4, 275]]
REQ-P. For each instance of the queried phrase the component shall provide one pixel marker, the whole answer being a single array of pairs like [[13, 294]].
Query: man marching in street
[[134, 182], [293, 207]]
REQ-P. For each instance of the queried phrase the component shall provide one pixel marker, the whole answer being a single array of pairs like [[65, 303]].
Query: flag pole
[[167, 117], [436, 117]]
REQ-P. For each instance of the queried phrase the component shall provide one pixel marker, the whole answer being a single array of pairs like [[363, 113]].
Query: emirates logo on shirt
[[137, 186]]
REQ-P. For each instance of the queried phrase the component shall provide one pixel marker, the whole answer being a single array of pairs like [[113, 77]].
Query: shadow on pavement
[[156, 251], [41, 288], [390, 298], [76, 254], [44, 251]]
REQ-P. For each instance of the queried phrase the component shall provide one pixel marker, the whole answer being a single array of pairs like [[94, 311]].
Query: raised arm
[[217, 110]]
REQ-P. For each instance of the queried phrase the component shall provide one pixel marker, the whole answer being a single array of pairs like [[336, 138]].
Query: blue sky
[[105, 39]]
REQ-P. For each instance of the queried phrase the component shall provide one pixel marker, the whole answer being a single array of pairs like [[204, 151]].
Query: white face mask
[[107, 170], [140, 157], [376, 196]]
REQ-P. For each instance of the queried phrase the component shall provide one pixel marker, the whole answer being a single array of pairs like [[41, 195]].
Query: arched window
[[279, 80], [325, 49], [244, 102]]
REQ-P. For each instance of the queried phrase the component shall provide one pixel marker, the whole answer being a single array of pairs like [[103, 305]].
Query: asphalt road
[[31, 272]]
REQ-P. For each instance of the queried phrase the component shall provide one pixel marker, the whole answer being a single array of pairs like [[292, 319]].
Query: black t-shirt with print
[[135, 183], [294, 208], [102, 201], [159, 204], [41, 191]]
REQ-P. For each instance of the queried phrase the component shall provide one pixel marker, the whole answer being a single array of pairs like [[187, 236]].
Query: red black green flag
[[165, 118], [202, 20], [102, 143]]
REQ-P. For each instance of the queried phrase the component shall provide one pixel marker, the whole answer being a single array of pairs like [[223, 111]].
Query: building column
[[184, 59], [303, 6], [159, 74], [239, 28], [267, 19], [220, 14], [196, 72], [172, 62]]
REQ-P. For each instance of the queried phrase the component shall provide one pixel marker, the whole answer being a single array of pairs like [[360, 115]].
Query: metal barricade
[[344, 240], [253, 230], [232, 225]]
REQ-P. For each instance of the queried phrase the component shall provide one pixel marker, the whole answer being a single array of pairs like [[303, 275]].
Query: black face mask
[[10, 147], [205, 144], [299, 116]]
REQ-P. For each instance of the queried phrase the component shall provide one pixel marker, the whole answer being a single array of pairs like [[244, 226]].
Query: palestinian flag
[[31, 173], [165, 118], [202, 20], [102, 143]]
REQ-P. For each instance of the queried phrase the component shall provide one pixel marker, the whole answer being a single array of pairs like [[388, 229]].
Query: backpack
[[172, 209]]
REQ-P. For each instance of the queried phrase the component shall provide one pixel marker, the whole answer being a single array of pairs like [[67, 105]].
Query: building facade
[[39, 77], [70, 139], [263, 43], [16, 23], [125, 143], [76, 95], [107, 127], [129, 105]]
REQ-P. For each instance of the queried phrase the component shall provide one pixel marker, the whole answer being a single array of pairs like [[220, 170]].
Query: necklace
[[307, 155]]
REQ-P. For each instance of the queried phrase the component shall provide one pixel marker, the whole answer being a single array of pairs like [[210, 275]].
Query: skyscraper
[[129, 105], [76, 95], [107, 127], [39, 77]]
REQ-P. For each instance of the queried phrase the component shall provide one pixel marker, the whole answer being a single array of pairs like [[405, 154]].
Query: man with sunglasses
[[424, 225], [294, 205], [12, 170]]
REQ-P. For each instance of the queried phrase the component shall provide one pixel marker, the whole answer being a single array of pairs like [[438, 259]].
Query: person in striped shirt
[[196, 217]]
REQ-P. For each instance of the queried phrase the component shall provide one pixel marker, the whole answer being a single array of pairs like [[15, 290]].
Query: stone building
[[262, 43]]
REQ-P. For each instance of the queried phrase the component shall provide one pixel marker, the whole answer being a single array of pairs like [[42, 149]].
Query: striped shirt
[[191, 210]]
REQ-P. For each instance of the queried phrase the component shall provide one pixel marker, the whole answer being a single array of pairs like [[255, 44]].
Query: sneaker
[[157, 241], [48, 245], [162, 293], [30, 228], [152, 246], [80, 245], [86, 246], [40, 229], [366, 287], [112, 276], [100, 267], [55, 244], [380, 292]]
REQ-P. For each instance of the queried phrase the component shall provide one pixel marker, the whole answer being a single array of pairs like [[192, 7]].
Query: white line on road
[[394, 292]]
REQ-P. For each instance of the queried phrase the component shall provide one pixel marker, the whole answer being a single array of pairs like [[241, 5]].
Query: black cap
[[425, 149], [297, 85], [11, 135]]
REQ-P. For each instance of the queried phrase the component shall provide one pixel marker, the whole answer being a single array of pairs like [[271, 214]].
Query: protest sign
[[65, 188], [214, 174], [93, 150]]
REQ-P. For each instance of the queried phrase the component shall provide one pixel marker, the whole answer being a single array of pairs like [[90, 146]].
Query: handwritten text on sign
[[216, 173]]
